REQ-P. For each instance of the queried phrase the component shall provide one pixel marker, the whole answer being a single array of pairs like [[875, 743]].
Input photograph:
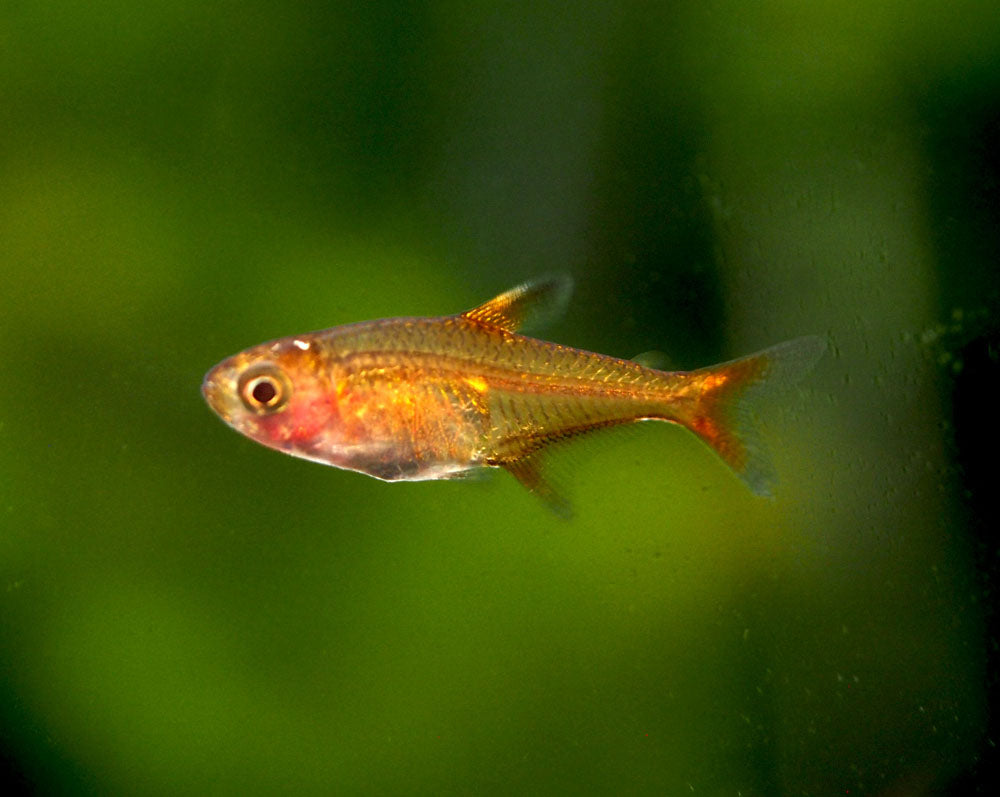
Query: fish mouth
[[216, 394]]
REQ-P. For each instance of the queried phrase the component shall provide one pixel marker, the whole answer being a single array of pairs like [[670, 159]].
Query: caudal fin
[[723, 415]]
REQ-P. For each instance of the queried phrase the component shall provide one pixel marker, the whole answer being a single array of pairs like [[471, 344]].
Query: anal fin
[[528, 471]]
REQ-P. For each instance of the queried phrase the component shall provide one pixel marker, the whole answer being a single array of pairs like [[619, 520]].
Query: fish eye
[[264, 389]]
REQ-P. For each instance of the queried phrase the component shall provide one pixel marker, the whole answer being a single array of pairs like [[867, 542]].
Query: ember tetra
[[433, 398]]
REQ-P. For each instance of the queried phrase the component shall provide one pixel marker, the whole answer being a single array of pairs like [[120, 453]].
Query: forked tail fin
[[723, 414]]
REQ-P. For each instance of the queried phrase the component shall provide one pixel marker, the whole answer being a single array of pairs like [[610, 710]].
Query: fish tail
[[723, 414]]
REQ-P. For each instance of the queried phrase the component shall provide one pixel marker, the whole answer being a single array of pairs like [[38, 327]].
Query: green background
[[182, 611]]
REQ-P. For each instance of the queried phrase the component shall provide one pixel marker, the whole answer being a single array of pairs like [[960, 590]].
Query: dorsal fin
[[528, 304]]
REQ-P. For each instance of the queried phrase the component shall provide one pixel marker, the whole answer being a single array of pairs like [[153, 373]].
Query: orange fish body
[[431, 398]]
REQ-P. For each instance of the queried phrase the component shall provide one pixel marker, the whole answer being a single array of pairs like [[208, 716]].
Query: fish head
[[277, 394]]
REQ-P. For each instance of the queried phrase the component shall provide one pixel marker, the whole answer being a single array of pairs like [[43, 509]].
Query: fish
[[421, 398]]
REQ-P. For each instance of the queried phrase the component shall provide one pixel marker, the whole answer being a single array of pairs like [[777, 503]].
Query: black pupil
[[264, 392]]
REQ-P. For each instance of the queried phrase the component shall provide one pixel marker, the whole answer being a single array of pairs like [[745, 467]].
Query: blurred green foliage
[[183, 611]]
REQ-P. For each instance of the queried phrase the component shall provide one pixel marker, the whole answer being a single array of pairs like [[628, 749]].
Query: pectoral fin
[[527, 470]]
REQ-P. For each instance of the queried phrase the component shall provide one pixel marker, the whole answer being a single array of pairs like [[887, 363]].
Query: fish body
[[431, 398]]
